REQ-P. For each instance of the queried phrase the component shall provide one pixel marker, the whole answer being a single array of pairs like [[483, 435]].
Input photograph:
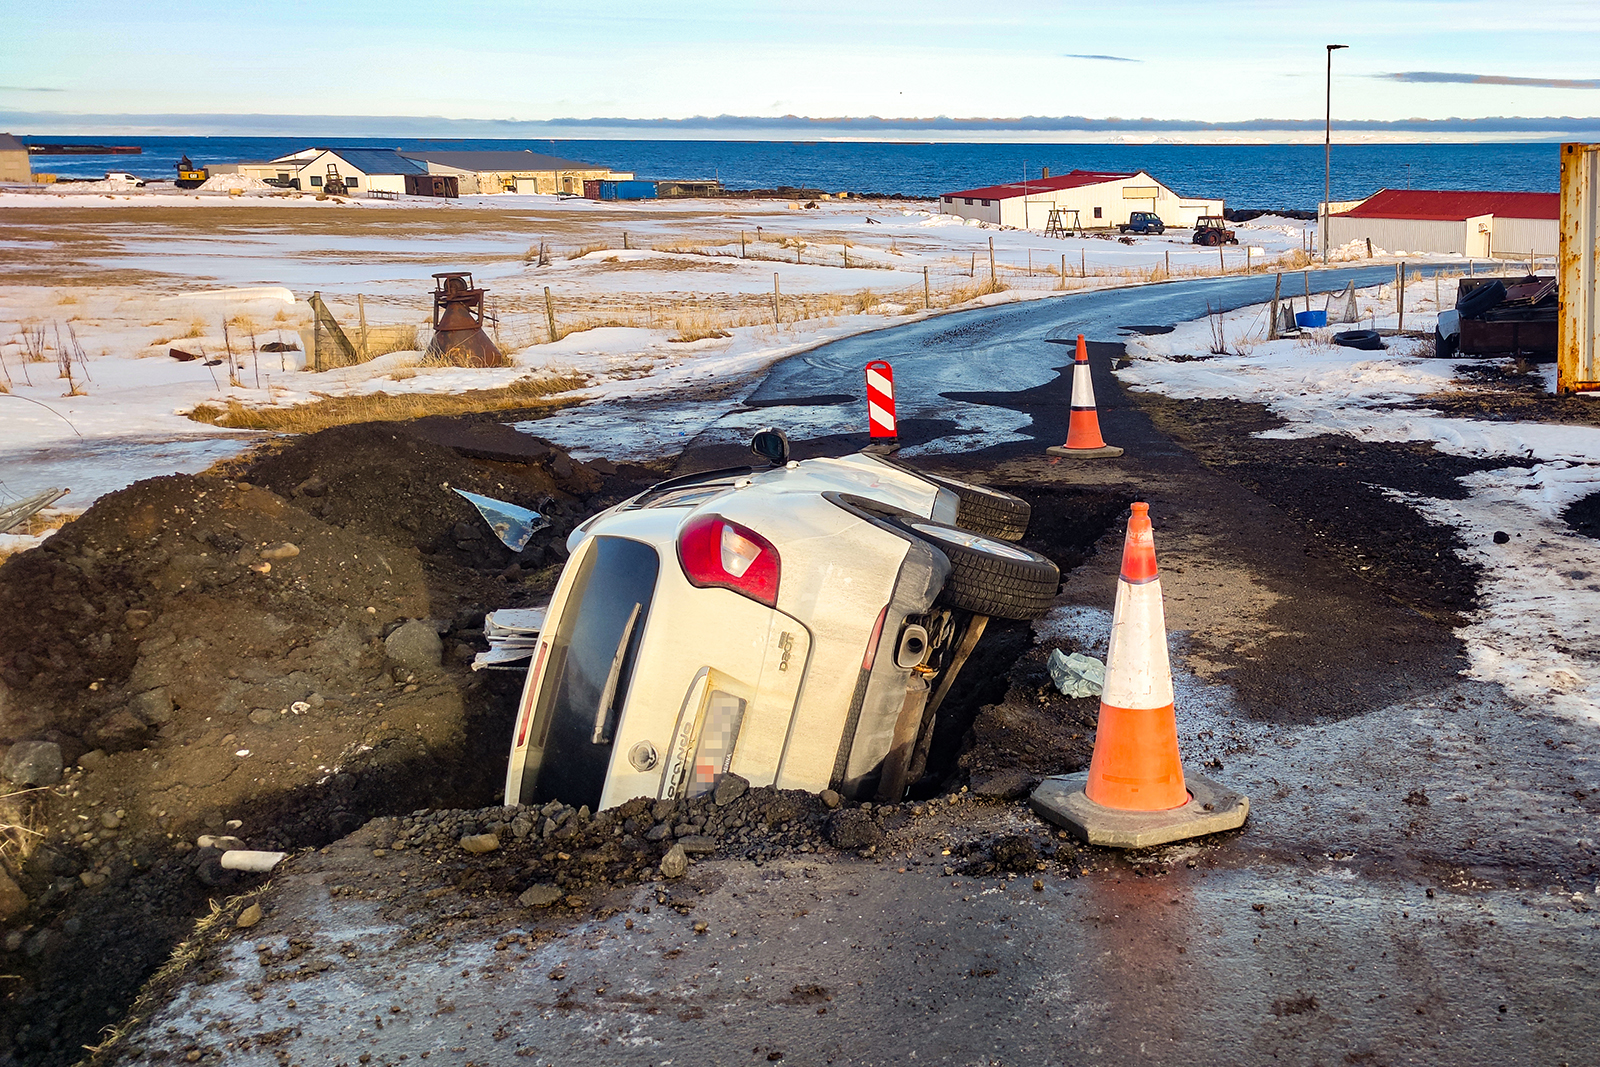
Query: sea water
[[1245, 176]]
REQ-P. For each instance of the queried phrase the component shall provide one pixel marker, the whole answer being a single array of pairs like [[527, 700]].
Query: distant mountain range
[[1066, 128]]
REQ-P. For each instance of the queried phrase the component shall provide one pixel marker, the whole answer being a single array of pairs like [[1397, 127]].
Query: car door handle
[[602, 713]]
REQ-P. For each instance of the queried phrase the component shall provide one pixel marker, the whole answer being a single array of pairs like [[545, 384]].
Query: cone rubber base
[[883, 446], [1211, 808], [1103, 452]]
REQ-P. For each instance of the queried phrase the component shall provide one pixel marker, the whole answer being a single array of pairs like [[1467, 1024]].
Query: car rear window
[[591, 663]]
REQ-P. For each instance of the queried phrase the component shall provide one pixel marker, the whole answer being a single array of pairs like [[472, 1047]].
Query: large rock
[[675, 864], [118, 731], [415, 644], [33, 763], [853, 828], [12, 900], [153, 705], [730, 788]]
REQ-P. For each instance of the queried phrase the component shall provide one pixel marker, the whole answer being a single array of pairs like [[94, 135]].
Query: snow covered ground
[[647, 296], [1537, 631]]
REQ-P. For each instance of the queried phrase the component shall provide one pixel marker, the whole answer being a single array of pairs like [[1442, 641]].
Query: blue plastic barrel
[[1311, 319]]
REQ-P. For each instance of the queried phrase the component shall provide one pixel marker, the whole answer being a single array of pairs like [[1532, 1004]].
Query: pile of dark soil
[[220, 655], [210, 655], [1340, 490]]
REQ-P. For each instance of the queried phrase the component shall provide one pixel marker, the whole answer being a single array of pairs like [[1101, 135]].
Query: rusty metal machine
[[334, 184], [458, 318]]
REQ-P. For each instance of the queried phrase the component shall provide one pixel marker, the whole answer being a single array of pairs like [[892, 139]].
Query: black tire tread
[[992, 585], [988, 511]]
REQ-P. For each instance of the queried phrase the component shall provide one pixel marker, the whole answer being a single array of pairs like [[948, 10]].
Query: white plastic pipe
[[246, 859]]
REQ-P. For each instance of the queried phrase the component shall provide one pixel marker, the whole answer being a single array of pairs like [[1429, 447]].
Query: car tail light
[[717, 552], [872, 642]]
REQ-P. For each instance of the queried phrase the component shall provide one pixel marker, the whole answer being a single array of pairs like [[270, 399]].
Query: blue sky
[[473, 60]]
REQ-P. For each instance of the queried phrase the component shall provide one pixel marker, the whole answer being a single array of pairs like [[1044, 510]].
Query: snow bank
[[223, 182], [1537, 631]]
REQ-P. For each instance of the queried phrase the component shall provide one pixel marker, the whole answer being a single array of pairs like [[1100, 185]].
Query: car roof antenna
[[771, 445]]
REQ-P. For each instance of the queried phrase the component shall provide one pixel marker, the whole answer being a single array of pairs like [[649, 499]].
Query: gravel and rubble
[[262, 657]]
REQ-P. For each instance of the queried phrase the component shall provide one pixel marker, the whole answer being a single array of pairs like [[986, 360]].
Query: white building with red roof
[[1100, 199], [1470, 223]]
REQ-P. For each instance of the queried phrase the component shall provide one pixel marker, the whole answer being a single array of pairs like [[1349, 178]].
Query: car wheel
[[1368, 340], [987, 511], [990, 577]]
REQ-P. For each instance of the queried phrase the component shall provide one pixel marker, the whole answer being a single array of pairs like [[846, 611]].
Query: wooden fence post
[[1400, 301], [550, 314], [1272, 321], [927, 300], [774, 298], [741, 244], [991, 262]]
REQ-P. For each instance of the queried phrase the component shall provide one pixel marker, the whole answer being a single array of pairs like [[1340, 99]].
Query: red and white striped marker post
[[880, 400]]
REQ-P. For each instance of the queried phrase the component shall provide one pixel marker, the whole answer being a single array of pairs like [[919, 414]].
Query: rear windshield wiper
[[608, 695]]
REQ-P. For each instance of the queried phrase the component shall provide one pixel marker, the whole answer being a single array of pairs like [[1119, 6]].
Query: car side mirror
[[771, 445]]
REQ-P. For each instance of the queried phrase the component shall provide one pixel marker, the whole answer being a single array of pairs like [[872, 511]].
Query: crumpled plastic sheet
[[513, 525], [1075, 674]]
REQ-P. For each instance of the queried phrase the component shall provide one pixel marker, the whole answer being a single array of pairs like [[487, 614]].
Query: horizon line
[[259, 124]]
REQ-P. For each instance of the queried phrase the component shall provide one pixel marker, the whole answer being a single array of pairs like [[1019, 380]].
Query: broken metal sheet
[[513, 525], [518, 621], [13, 515], [513, 634], [501, 658]]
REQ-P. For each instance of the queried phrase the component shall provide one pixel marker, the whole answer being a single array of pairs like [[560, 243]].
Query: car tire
[[990, 577], [987, 511], [1445, 347], [1367, 340]]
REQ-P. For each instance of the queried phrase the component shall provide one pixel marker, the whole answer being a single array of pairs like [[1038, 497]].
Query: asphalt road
[[960, 379], [1415, 883]]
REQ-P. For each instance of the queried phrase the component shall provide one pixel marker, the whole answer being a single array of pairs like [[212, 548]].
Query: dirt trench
[[212, 654]]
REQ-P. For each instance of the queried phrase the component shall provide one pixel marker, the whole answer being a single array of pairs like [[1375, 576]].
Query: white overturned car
[[797, 626]]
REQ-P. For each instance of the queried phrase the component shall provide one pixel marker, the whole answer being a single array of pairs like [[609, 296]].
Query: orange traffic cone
[[1135, 793], [1083, 425], [1135, 765]]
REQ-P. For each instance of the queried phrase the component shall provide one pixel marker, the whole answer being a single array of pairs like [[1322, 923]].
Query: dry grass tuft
[[583, 250], [697, 326], [23, 820], [384, 407], [1294, 259], [381, 340]]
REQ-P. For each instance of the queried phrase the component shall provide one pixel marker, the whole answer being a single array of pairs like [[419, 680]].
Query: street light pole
[[1327, 153]]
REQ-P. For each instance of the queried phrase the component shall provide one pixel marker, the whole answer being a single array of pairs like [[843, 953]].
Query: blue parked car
[[1143, 222]]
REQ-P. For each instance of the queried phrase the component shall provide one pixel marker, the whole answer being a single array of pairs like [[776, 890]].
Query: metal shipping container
[[624, 190]]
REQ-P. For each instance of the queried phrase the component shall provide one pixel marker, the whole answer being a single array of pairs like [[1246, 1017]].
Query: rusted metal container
[[447, 186], [458, 318]]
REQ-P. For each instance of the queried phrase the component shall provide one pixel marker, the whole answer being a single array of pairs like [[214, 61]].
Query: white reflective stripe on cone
[[877, 381], [1082, 386], [880, 416], [1138, 673]]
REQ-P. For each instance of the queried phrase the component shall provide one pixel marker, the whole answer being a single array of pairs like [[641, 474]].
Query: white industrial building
[[1085, 199], [361, 169], [15, 165], [1478, 225], [515, 172]]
